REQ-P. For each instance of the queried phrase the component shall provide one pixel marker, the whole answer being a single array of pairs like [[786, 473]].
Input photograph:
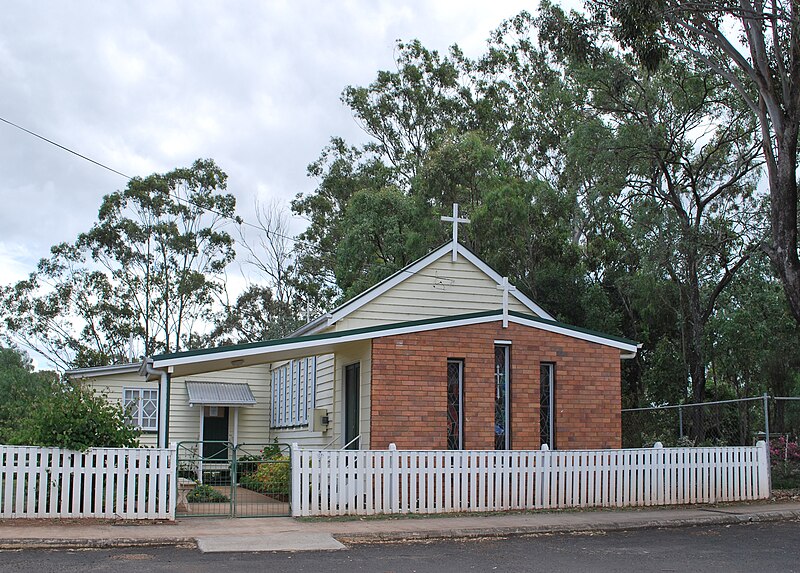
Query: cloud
[[148, 86]]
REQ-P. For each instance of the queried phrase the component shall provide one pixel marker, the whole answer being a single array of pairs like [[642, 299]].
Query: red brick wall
[[409, 388]]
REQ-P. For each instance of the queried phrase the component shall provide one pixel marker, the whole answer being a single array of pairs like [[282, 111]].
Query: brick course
[[409, 388]]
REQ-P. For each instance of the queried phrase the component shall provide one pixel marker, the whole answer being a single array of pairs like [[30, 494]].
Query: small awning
[[220, 394]]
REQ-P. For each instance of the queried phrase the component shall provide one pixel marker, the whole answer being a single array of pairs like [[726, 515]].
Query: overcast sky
[[148, 86]]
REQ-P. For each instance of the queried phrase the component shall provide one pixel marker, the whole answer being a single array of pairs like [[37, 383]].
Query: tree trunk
[[783, 204], [695, 355]]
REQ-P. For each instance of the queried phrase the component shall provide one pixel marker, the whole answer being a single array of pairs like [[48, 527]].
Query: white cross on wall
[[455, 219], [506, 288]]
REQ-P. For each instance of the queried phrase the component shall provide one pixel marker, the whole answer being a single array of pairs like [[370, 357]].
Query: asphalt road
[[773, 547]]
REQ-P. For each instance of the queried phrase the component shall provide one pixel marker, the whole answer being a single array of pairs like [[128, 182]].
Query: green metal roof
[[383, 327]]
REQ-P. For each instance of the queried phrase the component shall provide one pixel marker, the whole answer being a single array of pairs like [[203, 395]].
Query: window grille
[[293, 391], [547, 431], [455, 396], [502, 437], [141, 406]]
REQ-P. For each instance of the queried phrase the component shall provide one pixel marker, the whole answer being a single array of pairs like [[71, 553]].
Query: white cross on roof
[[506, 287], [455, 219]]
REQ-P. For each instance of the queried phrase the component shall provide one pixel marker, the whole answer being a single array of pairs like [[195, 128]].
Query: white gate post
[[173, 480], [294, 462], [764, 477]]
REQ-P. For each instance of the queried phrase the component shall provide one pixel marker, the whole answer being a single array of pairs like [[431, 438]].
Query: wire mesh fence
[[237, 480], [739, 422], [784, 449]]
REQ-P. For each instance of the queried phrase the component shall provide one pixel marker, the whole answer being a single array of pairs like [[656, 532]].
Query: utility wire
[[67, 149], [238, 220]]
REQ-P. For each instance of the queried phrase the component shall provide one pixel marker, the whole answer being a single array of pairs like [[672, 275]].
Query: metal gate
[[233, 480]]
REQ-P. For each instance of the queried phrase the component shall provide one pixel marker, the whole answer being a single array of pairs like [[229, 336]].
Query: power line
[[67, 149], [237, 219]]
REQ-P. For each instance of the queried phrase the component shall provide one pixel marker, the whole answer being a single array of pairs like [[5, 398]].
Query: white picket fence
[[125, 483], [392, 481]]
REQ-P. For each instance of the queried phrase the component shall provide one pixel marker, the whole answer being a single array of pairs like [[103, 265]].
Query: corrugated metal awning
[[220, 393]]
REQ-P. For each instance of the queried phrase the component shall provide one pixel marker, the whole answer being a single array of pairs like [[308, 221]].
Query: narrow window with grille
[[502, 364], [455, 397], [547, 410]]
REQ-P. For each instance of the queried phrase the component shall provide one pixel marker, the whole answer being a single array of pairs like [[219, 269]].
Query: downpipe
[[147, 370]]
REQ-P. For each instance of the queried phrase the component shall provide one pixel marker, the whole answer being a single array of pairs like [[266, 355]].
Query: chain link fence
[[739, 422]]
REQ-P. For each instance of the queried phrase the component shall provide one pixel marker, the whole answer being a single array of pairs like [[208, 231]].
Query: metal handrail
[[344, 447], [329, 444]]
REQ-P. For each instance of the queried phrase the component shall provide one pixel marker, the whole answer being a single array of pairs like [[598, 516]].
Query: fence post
[[764, 476], [294, 462], [657, 468], [765, 397], [392, 477], [173, 480], [680, 422]]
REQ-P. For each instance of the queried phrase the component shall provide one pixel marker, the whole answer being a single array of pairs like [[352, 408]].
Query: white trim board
[[104, 370], [374, 292], [297, 348]]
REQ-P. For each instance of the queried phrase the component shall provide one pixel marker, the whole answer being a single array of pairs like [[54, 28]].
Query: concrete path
[[287, 534]]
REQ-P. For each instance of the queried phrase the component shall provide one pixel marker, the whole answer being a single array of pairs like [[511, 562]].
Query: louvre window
[[293, 389]]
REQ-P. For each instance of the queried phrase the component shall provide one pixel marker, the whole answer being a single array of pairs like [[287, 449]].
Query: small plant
[[785, 458], [783, 450], [271, 477], [204, 493], [248, 464]]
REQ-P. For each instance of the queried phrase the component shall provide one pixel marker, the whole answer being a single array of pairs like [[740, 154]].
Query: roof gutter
[[313, 326], [629, 355], [163, 395]]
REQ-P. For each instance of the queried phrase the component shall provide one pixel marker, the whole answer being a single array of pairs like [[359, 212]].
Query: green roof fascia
[[325, 336], [383, 327], [580, 329]]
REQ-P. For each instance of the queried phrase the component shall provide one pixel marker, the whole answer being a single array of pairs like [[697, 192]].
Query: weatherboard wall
[[443, 288], [113, 385], [324, 399], [184, 420]]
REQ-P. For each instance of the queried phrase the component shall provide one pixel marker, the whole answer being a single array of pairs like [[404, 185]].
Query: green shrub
[[74, 416], [247, 464], [271, 477], [206, 494]]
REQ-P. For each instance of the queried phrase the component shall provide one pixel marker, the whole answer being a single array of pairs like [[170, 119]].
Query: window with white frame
[[502, 371], [547, 404], [293, 392], [141, 406]]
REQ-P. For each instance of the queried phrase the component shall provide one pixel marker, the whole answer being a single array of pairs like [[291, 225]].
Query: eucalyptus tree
[[342, 171], [161, 241], [690, 160], [689, 198], [752, 336], [754, 46], [405, 111], [256, 314], [145, 273]]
